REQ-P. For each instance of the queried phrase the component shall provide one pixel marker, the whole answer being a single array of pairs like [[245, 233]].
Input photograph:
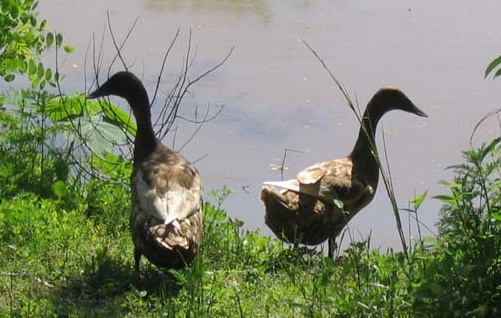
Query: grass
[[61, 263], [67, 250], [77, 262]]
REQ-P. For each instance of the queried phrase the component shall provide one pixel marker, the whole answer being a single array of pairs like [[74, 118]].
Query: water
[[276, 95]]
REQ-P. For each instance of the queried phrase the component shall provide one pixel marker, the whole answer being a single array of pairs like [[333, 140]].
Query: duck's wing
[[174, 188], [309, 176], [329, 181]]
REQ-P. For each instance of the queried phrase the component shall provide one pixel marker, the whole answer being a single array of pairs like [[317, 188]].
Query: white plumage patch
[[177, 203], [292, 184]]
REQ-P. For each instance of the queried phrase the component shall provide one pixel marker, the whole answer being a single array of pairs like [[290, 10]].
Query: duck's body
[[318, 204], [166, 216]]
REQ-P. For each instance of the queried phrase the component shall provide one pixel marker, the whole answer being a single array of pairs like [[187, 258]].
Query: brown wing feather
[[312, 214], [332, 180]]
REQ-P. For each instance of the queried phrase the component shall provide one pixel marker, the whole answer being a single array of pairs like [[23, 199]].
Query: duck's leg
[[332, 246], [137, 259]]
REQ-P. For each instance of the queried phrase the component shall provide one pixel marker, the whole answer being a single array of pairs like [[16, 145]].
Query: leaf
[[72, 106], [118, 117], [69, 49], [445, 198], [59, 39], [496, 216], [9, 77], [495, 63], [22, 66], [32, 67], [100, 136], [49, 39], [60, 189], [40, 70], [48, 74], [418, 200]]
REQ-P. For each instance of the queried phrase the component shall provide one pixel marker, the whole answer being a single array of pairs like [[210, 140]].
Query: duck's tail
[[275, 202], [281, 212], [177, 234]]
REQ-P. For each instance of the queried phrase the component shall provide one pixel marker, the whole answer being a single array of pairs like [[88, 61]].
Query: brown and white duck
[[318, 204], [166, 216]]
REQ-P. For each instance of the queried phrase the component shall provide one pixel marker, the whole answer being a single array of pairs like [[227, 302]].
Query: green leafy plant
[[23, 37], [462, 277]]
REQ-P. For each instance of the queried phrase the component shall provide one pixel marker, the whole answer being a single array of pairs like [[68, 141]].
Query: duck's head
[[391, 98], [123, 84]]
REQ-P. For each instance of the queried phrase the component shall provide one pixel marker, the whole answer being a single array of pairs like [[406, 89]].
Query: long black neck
[[364, 151], [145, 141]]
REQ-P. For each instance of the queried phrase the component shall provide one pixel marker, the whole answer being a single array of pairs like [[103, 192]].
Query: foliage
[[28, 162], [23, 37], [60, 262], [45, 140], [462, 275]]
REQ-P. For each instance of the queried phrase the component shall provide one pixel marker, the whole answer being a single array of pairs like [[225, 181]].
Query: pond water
[[276, 95]]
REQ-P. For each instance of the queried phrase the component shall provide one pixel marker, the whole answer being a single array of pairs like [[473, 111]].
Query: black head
[[123, 84], [390, 98]]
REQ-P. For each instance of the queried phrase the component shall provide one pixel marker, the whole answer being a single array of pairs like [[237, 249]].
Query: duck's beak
[[419, 112], [93, 94]]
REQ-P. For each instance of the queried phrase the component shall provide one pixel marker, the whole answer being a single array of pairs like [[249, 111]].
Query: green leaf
[[418, 200], [22, 66], [445, 198], [9, 77], [100, 136], [49, 39], [33, 21], [72, 106], [60, 189], [118, 117], [48, 74], [69, 49], [59, 40], [40, 70], [495, 63], [496, 216], [497, 73]]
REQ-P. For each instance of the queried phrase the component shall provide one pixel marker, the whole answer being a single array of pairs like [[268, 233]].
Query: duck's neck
[[364, 151], [145, 142]]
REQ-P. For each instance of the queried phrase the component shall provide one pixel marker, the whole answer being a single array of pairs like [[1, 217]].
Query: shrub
[[462, 275]]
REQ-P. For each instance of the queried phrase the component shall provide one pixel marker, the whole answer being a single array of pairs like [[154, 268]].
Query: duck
[[166, 189], [323, 198]]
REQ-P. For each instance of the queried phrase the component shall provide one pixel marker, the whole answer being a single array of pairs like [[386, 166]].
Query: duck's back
[[166, 216]]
